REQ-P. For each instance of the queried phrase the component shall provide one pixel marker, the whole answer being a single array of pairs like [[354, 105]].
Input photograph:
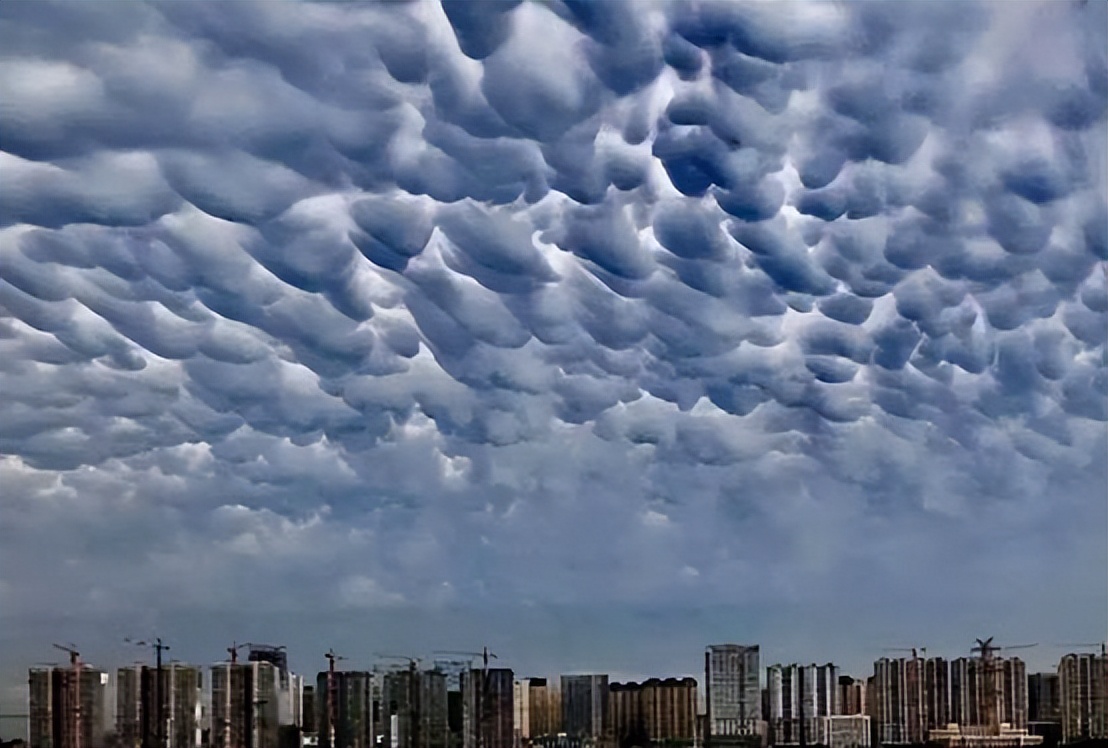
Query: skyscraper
[[488, 719], [794, 690], [137, 712], [585, 706], [414, 709], [349, 702], [908, 698], [733, 693], [532, 708], [1043, 698], [987, 692], [67, 710], [246, 704], [1083, 689]]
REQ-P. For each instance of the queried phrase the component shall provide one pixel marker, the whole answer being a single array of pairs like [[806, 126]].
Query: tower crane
[[75, 664], [233, 650], [985, 649], [331, 695], [1102, 645], [158, 646], [913, 650], [482, 722]]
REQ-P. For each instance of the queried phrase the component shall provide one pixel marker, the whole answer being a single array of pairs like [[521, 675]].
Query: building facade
[[532, 704], [488, 714], [343, 709], [1044, 702], [843, 731], [585, 706], [246, 705], [67, 707], [733, 691], [988, 692], [798, 697], [852, 696], [654, 712], [414, 709], [907, 698], [138, 693], [1083, 691]]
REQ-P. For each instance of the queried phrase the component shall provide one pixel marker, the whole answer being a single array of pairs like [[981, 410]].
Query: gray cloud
[[564, 304]]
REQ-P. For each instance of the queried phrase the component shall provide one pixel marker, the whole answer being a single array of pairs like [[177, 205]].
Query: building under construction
[[907, 698], [414, 705], [67, 710], [137, 694], [988, 692], [344, 709], [1083, 692], [488, 719], [654, 712], [246, 704]]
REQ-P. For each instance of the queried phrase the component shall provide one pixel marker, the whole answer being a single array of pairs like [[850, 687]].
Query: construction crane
[[1102, 645], [75, 664], [331, 695], [158, 646], [482, 722], [913, 650], [233, 650], [985, 649]]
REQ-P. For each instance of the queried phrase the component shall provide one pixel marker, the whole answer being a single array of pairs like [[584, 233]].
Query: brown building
[[852, 696], [988, 692], [654, 712], [908, 697], [488, 714], [136, 713]]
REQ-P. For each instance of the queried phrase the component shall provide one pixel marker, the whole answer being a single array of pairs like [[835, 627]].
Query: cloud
[[566, 304]]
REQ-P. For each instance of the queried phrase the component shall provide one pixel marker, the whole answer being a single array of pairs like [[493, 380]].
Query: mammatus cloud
[[362, 306]]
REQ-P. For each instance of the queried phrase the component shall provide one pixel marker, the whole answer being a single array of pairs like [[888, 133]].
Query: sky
[[591, 332]]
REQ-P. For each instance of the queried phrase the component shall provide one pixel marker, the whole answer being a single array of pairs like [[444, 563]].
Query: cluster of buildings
[[986, 701]]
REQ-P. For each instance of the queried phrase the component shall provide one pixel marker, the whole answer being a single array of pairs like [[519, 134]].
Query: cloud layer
[[353, 307]]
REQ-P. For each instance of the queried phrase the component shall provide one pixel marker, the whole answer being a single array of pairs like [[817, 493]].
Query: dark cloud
[[473, 303]]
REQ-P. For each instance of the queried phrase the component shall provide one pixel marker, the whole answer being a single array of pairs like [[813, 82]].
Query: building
[[532, 700], [1044, 702], [585, 706], [798, 697], [1083, 692], [908, 697], [987, 692], [246, 705], [344, 710], [488, 718], [1003, 736], [138, 693], [842, 731], [852, 696], [276, 656], [308, 711], [654, 712], [67, 709], [414, 709], [733, 692]]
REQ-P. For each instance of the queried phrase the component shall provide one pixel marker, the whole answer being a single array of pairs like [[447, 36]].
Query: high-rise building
[[414, 713], [852, 696], [842, 731], [733, 690], [488, 719], [795, 691], [906, 698], [1083, 691], [308, 711], [345, 694], [138, 691], [246, 705], [67, 709], [988, 692], [585, 706], [532, 709], [276, 656], [1044, 702], [654, 712]]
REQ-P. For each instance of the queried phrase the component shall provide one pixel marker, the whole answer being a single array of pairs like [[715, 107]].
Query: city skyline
[[588, 332]]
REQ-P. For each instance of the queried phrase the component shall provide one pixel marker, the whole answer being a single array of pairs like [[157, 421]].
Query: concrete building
[[246, 705], [1044, 703], [1083, 692], [308, 723], [414, 709], [488, 716], [852, 696], [531, 699], [67, 710], [1003, 736], [842, 731], [138, 692], [988, 692], [348, 700], [585, 706], [795, 691], [908, 697], [654, 712], [733, 692]]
